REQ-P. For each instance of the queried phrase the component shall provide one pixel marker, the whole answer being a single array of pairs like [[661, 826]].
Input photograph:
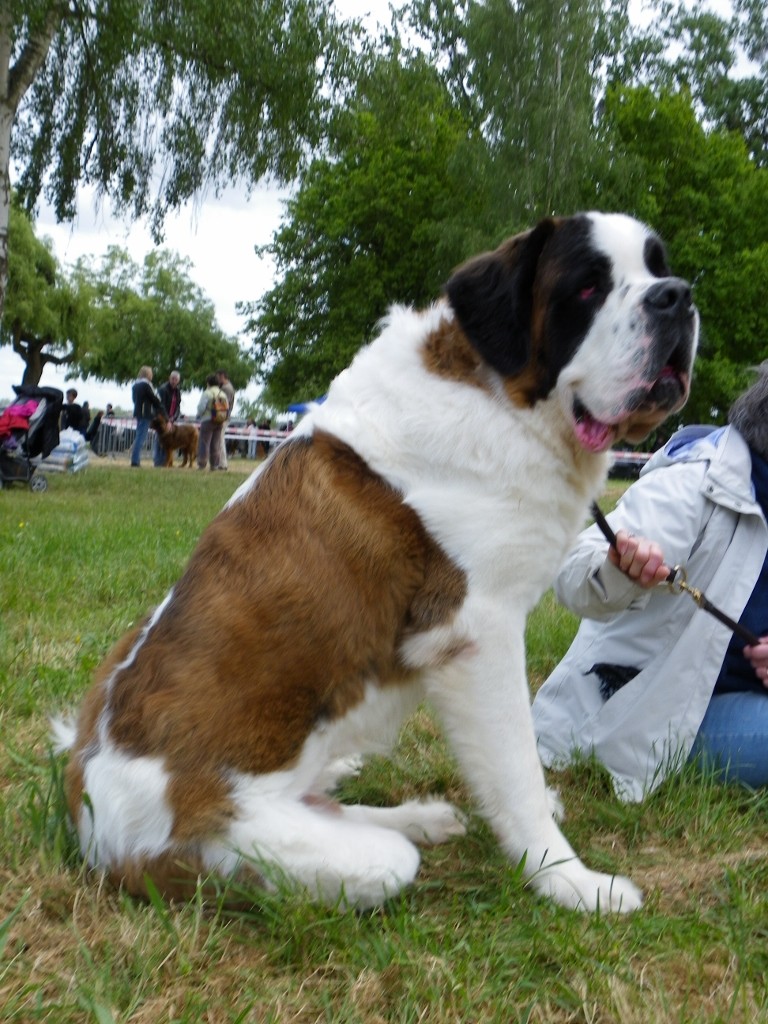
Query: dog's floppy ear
[[492, 296]]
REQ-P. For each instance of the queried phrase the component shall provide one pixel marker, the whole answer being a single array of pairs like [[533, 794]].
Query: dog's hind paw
[[336, 771], [576, 887], [429, 822]]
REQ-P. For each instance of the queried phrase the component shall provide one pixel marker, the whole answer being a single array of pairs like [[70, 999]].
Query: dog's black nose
[[669, 297]]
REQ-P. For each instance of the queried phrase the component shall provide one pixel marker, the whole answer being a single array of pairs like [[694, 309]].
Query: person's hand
[[757, 655], [641, 559]]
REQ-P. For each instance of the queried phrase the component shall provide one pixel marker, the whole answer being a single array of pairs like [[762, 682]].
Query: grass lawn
[[467, 943]]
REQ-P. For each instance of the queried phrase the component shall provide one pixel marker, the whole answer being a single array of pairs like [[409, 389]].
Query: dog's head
[[584, 306], [159, 423]]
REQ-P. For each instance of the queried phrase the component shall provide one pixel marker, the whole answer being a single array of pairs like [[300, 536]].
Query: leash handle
[[602, 522], [678, 582], [610, 536]]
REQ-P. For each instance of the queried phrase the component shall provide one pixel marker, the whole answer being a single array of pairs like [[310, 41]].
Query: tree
[[41, 307], [689, 47], [152, 101], [533, 70], [107, 318], [152, 315], [434, 158], [366, 227], [527, 77], [512, 103], [707, 197]]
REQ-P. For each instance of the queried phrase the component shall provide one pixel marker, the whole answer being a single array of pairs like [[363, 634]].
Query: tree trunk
[[32, 351], [7, 114], [14, 82], [33, 367]]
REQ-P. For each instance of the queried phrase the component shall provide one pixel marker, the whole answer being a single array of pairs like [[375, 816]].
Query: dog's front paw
[[574, 886]]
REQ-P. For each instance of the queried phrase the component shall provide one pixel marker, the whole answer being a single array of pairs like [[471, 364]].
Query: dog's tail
[[63, 733]]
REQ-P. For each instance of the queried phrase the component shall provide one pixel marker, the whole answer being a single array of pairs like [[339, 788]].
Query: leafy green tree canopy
[[153, 315], [437, 155], [150, 100], [153, 101], [511, 121], [527, 77], [41, 308], [721, 61], [366, 227], [106, 318], [708, 198]]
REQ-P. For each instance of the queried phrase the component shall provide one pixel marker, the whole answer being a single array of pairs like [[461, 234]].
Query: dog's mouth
[[667, 393], [592, 434], [648, 405]]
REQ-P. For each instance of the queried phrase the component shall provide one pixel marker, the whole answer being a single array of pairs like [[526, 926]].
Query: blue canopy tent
[[306, 406]]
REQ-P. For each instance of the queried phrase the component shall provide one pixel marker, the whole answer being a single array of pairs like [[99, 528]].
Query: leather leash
[[678, 582]]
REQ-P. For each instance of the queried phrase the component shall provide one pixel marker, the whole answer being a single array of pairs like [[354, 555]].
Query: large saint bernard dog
[[388, 553]]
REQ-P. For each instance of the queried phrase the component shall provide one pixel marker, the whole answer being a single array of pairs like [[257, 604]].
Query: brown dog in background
[[176, 437]]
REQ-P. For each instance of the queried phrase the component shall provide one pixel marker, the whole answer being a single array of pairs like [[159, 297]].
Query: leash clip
[[677, 580], [678, 583]]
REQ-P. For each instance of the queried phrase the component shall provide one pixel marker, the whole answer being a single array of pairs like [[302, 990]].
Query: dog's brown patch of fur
[[252, 652], [448, 353]]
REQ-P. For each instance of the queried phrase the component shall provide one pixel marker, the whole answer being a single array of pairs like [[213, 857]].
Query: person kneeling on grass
[[651, 681]]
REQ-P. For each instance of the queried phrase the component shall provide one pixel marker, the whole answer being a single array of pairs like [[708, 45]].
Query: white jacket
[[695, 499]]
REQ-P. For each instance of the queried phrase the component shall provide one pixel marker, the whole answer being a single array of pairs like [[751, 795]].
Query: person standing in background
[[85, 419], [222, 378], [170, 395], [211, 432], [71, 412], [146, 404]]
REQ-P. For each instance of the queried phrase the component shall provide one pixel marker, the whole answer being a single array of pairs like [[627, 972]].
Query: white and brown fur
[[176, 437], [388, 553]]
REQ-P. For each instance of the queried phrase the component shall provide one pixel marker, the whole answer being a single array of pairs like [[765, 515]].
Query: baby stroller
[[25, 440]]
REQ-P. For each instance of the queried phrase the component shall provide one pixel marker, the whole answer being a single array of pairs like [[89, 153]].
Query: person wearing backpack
[[212, 411], [222, 378]]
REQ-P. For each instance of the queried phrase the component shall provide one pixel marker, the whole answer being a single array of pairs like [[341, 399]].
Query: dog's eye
[[588, 292], [656, 258]]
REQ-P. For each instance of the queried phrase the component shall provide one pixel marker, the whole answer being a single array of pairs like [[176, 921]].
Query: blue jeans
[[733, 738], [142, 429], [158, 453]]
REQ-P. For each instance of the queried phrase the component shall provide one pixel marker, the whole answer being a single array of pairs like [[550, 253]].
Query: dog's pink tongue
[[593, 435]]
